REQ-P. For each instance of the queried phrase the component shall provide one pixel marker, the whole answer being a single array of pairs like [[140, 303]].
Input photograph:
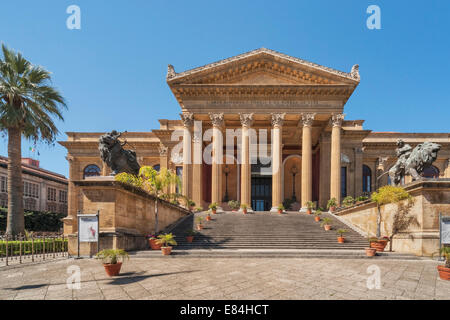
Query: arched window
[[91, 170], [430, 172], [157, 167], [367, 179]]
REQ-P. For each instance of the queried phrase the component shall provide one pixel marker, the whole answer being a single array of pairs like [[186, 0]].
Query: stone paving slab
[[217, 278]]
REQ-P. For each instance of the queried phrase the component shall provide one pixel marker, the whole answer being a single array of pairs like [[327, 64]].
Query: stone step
[[273, 253]]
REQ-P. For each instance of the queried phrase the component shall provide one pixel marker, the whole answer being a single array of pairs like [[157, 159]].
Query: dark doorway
[[261, 193]]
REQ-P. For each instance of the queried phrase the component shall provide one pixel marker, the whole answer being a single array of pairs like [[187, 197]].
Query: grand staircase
[[265, 230], [266, 235]]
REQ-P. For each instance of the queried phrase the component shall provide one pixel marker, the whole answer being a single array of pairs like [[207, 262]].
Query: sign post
[[88, 229], [444, 232]]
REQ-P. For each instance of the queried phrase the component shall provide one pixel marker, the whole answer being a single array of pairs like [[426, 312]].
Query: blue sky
[[112, 71]]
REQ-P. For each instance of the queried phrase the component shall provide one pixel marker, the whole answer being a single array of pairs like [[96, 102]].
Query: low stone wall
[[430, 199], [127, 215]]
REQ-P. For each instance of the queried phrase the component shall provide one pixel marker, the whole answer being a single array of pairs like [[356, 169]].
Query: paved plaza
[[216, 278]]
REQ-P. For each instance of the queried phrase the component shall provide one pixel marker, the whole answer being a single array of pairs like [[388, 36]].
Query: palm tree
[[27, 104]]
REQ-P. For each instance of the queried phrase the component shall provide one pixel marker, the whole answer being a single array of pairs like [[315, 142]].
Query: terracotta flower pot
[[214, 211], [341, 239], [208, 218], [308, 211], [112, 269], [370, 252], [379, 246], [189, 239], [317, 219], [154, 245], [327, 227], [199, 227], [166, 251], [244, 211], [333, 208], [280, 211], [444, 273]]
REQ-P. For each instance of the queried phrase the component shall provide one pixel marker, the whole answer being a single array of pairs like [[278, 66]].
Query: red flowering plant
[[152, 236]]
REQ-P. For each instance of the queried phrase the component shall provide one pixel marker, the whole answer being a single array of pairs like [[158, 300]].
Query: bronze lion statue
[[115, 156]]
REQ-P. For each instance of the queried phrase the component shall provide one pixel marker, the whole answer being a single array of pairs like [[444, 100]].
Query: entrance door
[[261, 193]]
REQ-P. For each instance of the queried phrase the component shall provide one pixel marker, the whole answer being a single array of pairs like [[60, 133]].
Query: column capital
[[216, 119], [308, 119], [336, 119], [277, 119], [163, 150], [246, 119], [188, 119]]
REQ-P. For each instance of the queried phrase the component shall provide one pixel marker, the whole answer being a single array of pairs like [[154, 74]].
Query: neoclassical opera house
[[321, 153]]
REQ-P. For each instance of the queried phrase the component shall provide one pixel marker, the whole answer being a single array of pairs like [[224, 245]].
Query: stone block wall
[[430, 199], [126, 216]]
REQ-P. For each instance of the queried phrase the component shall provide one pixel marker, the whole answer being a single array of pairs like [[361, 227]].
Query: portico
[[296, 102]]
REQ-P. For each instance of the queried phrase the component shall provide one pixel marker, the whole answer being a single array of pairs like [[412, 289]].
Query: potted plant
[[191, 205], [234, 205], [190, 233], [379, 244], [199, 209], [326, 224], [341, 232], [370, 252], [244, 208], [331, 205], [208, 217], [280, 208], [153, 242], [348, 201], [361, 199], [309, 207], [213, 207], [317, 215], [112, 260], [165, 240], [199, 223], [444, 270]]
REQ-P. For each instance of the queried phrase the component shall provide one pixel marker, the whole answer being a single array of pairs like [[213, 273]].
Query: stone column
[[188, 121], [217, 158], [277, 161], [307, 121], [197, 143], [246, 121], [164, 160], [335, 175]]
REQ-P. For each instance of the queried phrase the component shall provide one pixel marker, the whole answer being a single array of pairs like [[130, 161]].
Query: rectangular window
[[62, 196], [3, 184], [30, 190], [51, 194]]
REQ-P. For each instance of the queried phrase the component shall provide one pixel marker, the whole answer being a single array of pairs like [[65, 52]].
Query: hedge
[[14, 246], [36, 220]]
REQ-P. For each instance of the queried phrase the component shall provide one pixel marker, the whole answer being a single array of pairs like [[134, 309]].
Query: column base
[[303, 210], [248, 210], [275, 209]]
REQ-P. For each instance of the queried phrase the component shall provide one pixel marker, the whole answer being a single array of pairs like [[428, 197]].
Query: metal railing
[[31, 248]]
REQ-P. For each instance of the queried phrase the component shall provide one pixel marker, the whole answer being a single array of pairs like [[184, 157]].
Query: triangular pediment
[[263, 67]]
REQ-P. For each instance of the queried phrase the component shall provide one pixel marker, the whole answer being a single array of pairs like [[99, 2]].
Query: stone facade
[[420, 238], [43, 190], [320, 154]]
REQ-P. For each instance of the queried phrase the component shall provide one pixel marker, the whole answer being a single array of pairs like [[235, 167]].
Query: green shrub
[[14, 246]]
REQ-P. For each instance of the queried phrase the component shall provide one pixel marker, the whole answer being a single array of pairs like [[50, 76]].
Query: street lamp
[[226, 170], [294, 171]]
